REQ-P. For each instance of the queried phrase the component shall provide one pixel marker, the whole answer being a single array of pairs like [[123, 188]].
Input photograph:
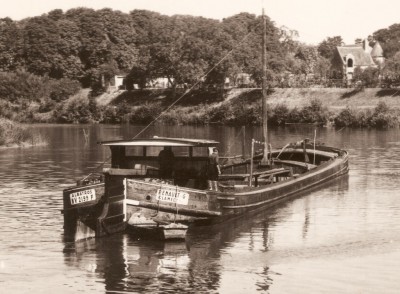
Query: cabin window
[[200, 152], [178, 151], [134, 151], [181, 151], [154, 150]]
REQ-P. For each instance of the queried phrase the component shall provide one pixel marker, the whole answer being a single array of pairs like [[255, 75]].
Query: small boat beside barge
[[136, 192]]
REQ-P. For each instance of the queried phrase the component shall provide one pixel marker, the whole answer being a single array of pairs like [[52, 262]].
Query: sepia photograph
[[186, 146]]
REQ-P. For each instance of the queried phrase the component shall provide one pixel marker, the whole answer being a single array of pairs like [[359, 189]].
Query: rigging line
[[191, 88], [177, 100], [395, 93]]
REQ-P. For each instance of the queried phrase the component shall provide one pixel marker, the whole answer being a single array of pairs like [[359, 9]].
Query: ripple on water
[[339, 238]]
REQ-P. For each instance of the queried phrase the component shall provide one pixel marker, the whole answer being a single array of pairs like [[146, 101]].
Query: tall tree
[[10, 45], [149, 27], [247, 55], [391, 71], [40, 51], [327, 47], [389, 39]]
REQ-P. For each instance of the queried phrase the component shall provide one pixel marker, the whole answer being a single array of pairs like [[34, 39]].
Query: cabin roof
[[162, 141]]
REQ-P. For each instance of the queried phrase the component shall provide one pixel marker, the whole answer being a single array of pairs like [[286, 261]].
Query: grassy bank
[[337, 99], [334, 106], [13, 135], [340, 107]]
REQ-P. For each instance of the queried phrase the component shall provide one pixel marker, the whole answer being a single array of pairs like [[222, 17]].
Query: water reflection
[[344, 231], [209, 260]]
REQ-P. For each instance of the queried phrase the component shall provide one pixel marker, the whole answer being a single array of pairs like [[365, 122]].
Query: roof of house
[[361, 58]]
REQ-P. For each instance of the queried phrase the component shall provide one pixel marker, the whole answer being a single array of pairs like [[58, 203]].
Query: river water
[[342, 237]]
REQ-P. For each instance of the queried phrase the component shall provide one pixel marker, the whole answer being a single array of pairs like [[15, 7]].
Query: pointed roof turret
[[377, 51]]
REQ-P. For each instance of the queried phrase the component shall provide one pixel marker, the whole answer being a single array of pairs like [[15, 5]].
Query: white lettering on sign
[[82, 196], [173, 196]]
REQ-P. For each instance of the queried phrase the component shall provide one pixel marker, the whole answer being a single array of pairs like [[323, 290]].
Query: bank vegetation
[[13, 134], [54, 68]]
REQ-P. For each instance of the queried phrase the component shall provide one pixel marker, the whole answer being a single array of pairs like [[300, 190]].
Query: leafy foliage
[[391, 71], [145, 114], [346, 118], [389, 38], [92, 45], [279, 115], [369, 77], [327, 47], [13, 133], [383, 117], [75, 110], [315, 112]]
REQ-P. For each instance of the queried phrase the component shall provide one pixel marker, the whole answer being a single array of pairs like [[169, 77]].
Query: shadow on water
[[125, 263]]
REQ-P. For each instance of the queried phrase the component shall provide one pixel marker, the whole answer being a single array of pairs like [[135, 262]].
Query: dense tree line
[[389, 38], [46, 59], [92, 45]]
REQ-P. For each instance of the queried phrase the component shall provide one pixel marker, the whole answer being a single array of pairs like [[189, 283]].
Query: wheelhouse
[[140, 158]]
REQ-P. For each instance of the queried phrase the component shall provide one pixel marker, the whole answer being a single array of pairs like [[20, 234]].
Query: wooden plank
[[274, 171], [233, 176], [296, 163], [124, 172], [173, 209]]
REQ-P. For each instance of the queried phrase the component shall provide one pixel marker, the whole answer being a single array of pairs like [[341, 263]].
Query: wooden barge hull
[[83, 206], [211, 207], [106, 208]]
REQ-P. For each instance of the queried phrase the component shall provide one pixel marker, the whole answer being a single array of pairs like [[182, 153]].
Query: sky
[[315, 20]]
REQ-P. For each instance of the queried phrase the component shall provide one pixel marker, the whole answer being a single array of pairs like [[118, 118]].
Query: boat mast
[[265, 159]]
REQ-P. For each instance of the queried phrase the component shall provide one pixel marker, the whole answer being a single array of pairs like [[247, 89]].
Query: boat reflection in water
[[211, 259]]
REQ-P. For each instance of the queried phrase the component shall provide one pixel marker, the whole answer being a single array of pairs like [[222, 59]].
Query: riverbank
[[14, 135], [325, 106], [332, 98], [335, 106], [336, 99]]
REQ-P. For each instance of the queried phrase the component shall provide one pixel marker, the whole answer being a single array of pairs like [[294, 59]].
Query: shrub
[[278, 115], [145, 114], [75, 110], [184, 115], [363, 118], [64, 88], [346, 118], [368, 77], [108, 114], [22, 85], [46, 105], [219, 114], [245, 115], [314, 113], [383, 117], [294, 116], [6, 109], [12, 133]]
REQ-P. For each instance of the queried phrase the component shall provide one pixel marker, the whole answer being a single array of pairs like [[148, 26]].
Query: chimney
[[365, 46]]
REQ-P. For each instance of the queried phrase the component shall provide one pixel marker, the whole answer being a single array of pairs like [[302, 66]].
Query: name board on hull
[[172, 196]]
